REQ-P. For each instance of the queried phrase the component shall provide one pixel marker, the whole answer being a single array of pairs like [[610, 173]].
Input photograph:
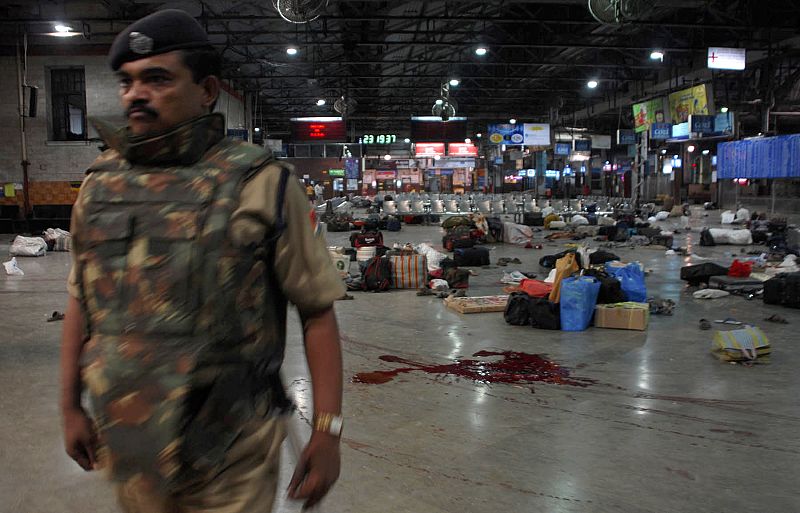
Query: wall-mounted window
[[68, 104]]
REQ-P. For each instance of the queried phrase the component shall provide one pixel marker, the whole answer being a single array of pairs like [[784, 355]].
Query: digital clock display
[[379, 138]]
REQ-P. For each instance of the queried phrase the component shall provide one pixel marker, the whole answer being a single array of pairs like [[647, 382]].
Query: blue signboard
[[701, 125], [351, 168], [552, 173], [507, 133], [768, 157], [583, 144], [498, 160], [680, 131], [562, 149], [660, 131], [626, 137]]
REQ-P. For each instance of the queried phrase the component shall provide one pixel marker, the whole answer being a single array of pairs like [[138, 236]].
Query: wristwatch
[[329, 423]]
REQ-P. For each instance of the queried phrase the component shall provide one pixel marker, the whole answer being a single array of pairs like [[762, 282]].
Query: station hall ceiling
[[390, 59]]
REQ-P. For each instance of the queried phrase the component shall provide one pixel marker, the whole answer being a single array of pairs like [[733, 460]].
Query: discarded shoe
[[776, 319], [55, 316], [704, 324]]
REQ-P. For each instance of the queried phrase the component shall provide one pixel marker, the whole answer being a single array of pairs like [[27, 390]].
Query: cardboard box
[[622, 316], [472, 305]]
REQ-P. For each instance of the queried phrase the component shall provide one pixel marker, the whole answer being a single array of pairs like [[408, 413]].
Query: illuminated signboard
[[462, 150], [727, 58], [336, 172], [563, 148], [379, 138], [323, 129], [429, 149], [552, 173]]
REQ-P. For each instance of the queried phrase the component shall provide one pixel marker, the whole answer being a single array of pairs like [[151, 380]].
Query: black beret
[[160, 32]]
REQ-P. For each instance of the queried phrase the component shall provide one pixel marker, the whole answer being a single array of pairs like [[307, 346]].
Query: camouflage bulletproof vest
[[176, 361]]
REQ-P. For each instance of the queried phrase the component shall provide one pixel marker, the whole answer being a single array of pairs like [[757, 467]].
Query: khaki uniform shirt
[[303, 266]]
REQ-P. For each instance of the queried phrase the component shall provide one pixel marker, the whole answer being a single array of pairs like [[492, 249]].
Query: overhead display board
[[683, 104], [727, 58], [429, 149], [601, 142], [660, 131], [563, 149], [647, 113], [462, 150], [626, 137], [432, 128], [323, 129], [536, 134], [768, 157]]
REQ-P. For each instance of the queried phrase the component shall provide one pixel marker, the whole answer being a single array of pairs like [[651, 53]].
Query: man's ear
[[211, 88]]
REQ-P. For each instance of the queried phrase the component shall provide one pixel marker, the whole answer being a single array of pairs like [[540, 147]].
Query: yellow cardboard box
[[622, 316]]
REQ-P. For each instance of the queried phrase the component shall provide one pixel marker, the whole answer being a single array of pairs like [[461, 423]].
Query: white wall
[[67, 160]]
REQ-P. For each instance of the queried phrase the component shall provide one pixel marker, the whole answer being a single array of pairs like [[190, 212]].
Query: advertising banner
[[683, 104], [351, 168], [536, 134], [701, 124], [462, 150], [507, 133], [647, 113]]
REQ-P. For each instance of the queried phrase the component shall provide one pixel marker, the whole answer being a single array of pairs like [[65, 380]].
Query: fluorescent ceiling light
[[387, 157], [691, 149], [592, 84], [454, 82], [512, 121], [481, 51], [320, 102], [256, 130], [706, 152], [479, 135], [439, 101], [468, 141], [291, 50], [663, 152], [62, 28]]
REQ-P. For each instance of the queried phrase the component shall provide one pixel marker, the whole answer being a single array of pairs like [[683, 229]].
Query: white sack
[[579, 220], [742, 215], [736, 237], [432, 256], [727, 217], [517, 233], [558, 225], [12, 269], [28, 246], [662, 216], [606, 221], [546, 211]]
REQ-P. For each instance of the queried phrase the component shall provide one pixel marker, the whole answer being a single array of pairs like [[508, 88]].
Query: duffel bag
[[377, 275], [456, 278], [409, 271], [610, 287], [393, 225], [631, 276], [365, 239], [471, 257], [697, 274], [533, 219], [601, 257], [544, 314], [517, 312]]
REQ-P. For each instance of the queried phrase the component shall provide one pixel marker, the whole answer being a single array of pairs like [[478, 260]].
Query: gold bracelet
[[328, 423]]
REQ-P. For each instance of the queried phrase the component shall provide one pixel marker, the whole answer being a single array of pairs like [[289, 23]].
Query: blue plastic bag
[[631, 277], [578, 299]]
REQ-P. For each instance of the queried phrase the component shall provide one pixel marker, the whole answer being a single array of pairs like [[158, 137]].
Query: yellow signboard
[[683, 104]]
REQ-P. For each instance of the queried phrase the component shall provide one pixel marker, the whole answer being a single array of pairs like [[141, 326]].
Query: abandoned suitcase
[[731, 284], [471, 257], [783, 289], [533, 219], [545, 314], [662, 240], [517, 312]]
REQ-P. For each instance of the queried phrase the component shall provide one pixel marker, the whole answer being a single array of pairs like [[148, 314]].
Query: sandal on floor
[[704, 324], [55, 316], [777, 319]]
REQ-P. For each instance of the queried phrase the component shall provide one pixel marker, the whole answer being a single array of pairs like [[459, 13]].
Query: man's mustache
[[141, 108]]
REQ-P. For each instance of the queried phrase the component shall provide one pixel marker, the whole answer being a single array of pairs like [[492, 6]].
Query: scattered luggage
[[393, 224], [631, 278], [533, 219], [783, 289], [610, 287], [457, 278], [535, 288], [601, 257], [578, 299], [337, 222], [735, 284], [471, 257], [701, 273], [409, 271], [366, 238], [458, 237], [377, 275], [517, 312], [748, 344], [544, 314], [706, 239]]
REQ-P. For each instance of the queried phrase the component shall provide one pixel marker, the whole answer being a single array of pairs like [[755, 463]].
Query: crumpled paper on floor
[[12, 269]]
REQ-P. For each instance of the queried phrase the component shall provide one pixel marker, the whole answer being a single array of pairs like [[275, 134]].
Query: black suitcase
[[471, 257], [601, 257], [783, 289], [517, 311], [533, 219], [697, 274], [393, 225], [544, 314]]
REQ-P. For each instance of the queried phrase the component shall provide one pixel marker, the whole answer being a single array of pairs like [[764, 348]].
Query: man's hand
[[317, 470], [79, 438]]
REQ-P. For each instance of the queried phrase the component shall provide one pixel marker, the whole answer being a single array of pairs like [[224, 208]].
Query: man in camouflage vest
[[187, 248]]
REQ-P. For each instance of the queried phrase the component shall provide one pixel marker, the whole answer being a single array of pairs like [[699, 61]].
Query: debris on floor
[[55, 316], [12, 269]]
